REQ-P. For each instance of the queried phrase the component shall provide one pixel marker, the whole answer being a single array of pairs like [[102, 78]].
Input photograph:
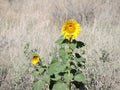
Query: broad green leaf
[[63, 54], [72, 45], [53, 68], [60, 86], [46, 78], [69, 51], [35, 73], [68, 77], [38, 85], [60, 40], [56, 68], [41, 70], [80, 77], [73, 67], [54, 60], [81, 59], [57, 77]]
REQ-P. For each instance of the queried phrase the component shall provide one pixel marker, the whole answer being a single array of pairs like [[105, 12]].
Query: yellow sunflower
[[35, 59], [71, 29]]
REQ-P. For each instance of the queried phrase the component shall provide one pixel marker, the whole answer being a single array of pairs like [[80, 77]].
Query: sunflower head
[[35, 59], [71, 29]]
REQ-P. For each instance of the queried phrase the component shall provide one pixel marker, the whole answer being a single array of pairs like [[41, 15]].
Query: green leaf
[[68, 77], [46, 78], [57, 77], [80, 77], [72, 45], [41, 70], [73, 67], [35, 73], [63, 54], [60, 86], [54, 60], [60, 40], [81, 59], [56, 68], [38, 85]]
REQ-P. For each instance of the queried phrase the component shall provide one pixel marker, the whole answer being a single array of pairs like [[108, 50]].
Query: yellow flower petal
[[35, 58], [71, 29]]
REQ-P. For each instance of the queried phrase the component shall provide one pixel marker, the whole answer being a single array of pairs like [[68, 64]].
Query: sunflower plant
[[65, 70]]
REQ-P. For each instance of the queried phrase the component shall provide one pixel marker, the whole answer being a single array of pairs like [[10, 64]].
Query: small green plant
[[65, 69]]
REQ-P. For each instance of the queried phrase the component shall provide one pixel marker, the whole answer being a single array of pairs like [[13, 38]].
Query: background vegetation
[[38, 22]]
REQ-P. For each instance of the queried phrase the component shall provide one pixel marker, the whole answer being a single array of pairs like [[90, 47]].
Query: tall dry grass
[[38, 22]]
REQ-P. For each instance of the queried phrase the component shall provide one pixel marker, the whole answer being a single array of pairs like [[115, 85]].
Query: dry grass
[[38, 22]]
